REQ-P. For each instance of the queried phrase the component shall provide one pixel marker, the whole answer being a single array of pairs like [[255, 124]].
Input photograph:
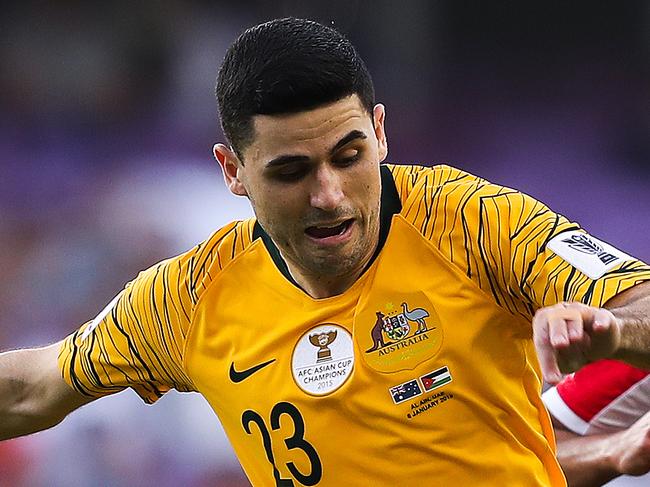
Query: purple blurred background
[[107, 120]]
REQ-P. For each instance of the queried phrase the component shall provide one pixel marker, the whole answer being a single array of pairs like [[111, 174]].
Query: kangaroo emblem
[[377, 335]]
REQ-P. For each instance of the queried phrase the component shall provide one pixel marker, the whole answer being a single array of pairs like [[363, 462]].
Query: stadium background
[[107, 119]]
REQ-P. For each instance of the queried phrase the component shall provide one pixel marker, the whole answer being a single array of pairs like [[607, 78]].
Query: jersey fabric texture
[[602, 397], [423, 371]]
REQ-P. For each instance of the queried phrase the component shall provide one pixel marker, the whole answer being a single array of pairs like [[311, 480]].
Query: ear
[[231, 167], [379, 116]]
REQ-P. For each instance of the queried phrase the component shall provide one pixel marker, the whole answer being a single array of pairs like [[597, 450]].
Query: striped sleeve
[[499, 237], [138, 341]]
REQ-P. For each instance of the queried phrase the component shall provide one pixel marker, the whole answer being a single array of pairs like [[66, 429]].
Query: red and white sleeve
[[601, 397]]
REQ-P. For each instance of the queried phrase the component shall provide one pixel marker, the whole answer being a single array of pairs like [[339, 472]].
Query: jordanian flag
[[436, 378]]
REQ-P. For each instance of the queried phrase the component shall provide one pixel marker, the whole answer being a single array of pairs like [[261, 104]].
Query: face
[[314, 183]]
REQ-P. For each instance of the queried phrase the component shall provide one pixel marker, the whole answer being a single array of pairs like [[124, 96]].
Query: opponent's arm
[[632, 310], [570, 335], [33, 395], [590, 461]]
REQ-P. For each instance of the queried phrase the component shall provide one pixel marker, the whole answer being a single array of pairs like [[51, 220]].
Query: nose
[[327, 189]]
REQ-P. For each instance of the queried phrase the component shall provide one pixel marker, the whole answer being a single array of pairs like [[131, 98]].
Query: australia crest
[[400, 337], [397, 327]]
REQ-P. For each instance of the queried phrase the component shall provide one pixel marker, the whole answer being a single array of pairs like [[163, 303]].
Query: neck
[[320, 286]]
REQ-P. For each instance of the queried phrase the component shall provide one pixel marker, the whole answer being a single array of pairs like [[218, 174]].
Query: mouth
[[330, 233]]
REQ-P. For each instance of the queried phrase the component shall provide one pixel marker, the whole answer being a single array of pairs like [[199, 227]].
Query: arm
[[570, 335], [33, 395], [632, 311], [135, 342], [593, 460]]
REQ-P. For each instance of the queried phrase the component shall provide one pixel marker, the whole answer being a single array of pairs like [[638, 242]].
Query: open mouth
[[326, 231]]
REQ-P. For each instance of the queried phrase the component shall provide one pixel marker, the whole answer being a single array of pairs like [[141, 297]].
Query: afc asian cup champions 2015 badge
[[323, 359]]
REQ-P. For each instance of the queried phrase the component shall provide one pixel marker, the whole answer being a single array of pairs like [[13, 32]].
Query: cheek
[[367, 188], [277, 208]]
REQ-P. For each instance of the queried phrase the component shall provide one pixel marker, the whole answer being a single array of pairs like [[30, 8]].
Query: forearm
[[633, 313], [18, 416], [635, 334], [586, 461], [33, 396]]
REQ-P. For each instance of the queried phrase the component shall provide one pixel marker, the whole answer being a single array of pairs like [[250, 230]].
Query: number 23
[[297, 440]]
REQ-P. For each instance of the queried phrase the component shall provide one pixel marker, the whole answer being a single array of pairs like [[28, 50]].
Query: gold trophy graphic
[[322, 340]]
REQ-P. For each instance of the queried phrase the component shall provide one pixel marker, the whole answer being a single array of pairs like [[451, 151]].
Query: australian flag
[[405, 391]]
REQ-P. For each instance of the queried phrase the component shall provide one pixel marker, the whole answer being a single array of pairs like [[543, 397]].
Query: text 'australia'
[[403, 344]]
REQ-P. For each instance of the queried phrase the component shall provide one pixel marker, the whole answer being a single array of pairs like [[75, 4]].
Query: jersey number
[[297, 440]]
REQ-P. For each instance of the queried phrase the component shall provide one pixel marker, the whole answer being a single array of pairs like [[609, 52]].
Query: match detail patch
[[589, 255]]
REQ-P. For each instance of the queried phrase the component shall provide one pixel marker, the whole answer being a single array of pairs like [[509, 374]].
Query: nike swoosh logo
[[237, 376]]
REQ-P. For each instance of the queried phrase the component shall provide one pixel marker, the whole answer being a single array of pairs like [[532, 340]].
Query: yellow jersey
[[421, 373]]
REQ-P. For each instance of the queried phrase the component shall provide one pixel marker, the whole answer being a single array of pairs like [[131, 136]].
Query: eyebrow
[[287, 158]]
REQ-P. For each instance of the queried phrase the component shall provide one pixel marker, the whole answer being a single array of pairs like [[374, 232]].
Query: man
[[339, 239], [601, 416]]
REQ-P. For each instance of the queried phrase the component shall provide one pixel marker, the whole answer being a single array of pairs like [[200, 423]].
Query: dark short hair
[[286, 66]]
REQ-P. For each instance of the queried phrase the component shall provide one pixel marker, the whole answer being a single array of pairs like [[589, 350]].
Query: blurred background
[[107, 120]]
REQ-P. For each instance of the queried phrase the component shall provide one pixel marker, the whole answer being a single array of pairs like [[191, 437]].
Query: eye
[[290, 173], [348, 157]]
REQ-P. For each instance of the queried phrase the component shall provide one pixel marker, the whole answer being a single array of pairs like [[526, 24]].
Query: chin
[[338, 264]]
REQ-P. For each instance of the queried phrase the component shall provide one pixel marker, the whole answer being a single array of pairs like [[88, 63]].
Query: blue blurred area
[[107, 120]]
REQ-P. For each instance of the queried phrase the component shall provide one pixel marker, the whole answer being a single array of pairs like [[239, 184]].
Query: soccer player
[[601, 416], [372, 324]]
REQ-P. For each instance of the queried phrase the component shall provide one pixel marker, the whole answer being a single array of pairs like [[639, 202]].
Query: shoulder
[[222, 246], [195, 269], [417, 180], [440, 197], [451, 187]]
